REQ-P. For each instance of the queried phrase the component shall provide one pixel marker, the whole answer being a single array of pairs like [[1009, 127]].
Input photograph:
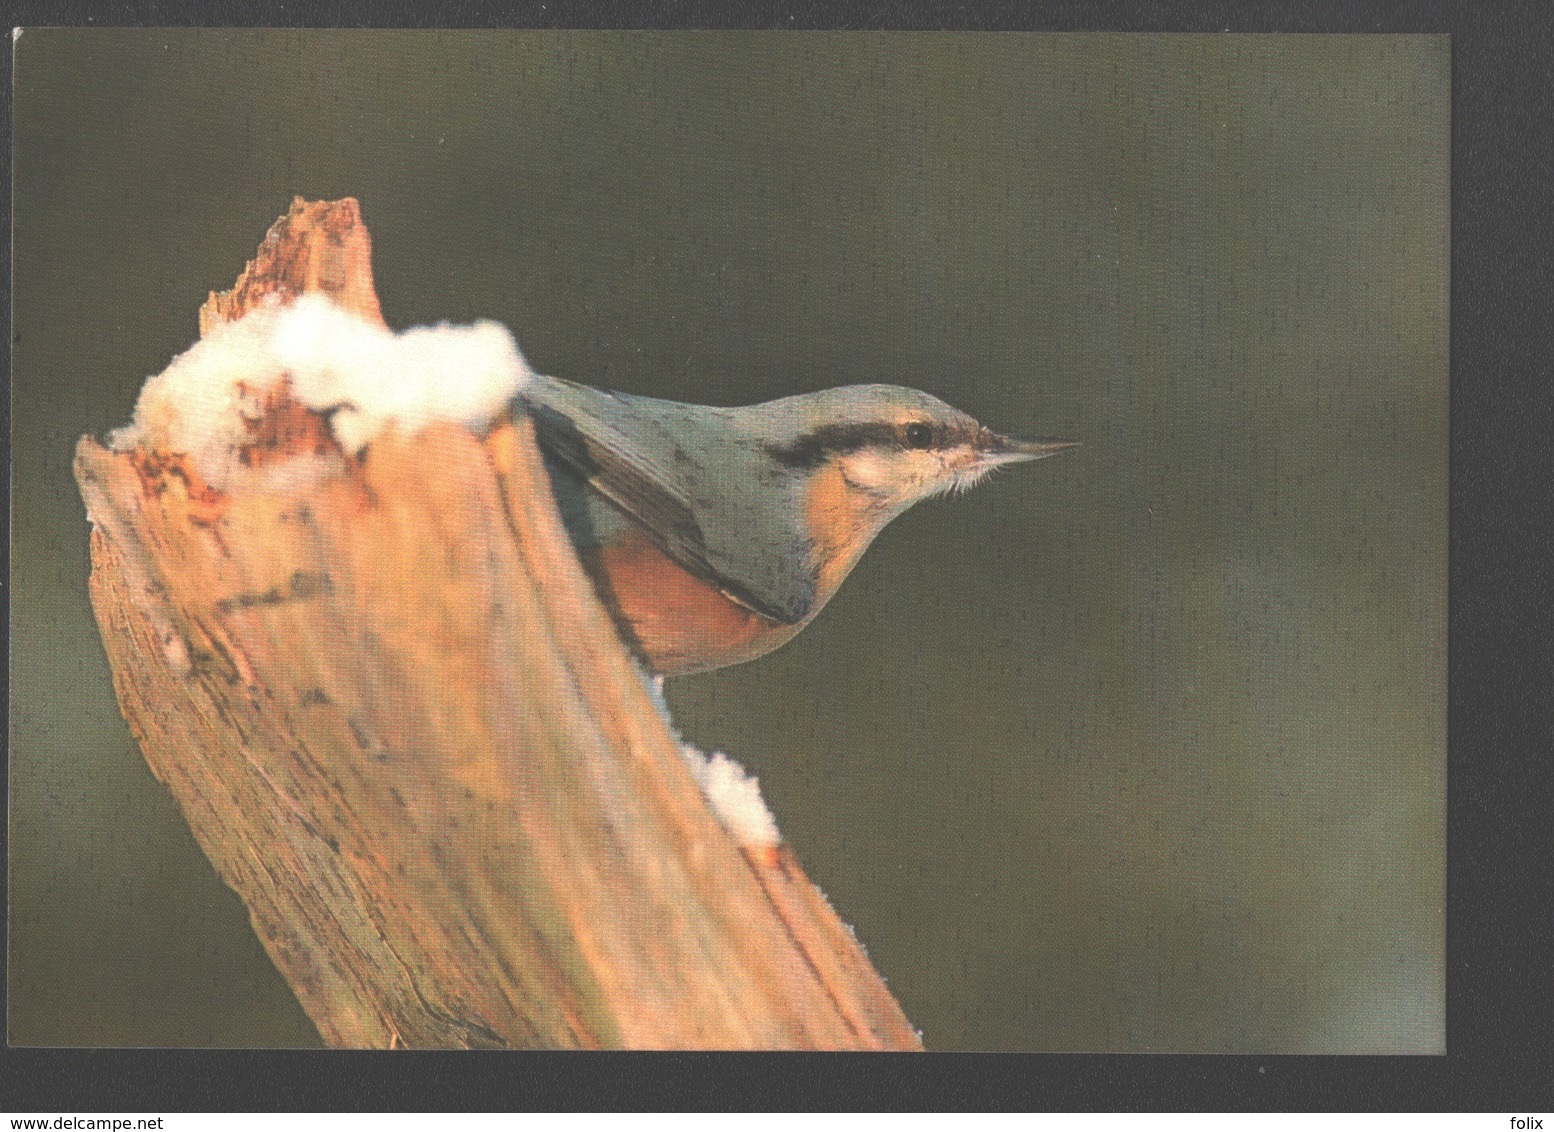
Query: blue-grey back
[[696, 477]]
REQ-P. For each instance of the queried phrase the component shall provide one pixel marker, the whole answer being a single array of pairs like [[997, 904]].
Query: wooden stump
[[404, 730]]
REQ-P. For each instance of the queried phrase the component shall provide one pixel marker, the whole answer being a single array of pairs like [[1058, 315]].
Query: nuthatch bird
[[713, 535]]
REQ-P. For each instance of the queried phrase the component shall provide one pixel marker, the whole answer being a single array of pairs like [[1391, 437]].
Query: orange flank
[[680, 622]]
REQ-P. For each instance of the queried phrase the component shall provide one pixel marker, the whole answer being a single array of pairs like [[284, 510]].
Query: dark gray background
[[1142, 747]]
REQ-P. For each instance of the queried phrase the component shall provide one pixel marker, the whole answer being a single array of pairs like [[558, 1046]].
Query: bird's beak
[[998, 449]]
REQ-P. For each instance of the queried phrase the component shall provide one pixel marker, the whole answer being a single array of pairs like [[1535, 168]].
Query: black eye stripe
[[813, 448]]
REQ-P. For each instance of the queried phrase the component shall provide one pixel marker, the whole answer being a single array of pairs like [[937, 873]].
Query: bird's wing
[[625, 448]]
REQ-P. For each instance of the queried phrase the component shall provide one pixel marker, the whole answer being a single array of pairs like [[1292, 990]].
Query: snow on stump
[[348, 629]]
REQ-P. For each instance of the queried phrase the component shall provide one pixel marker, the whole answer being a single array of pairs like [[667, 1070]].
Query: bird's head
[[889, 446]]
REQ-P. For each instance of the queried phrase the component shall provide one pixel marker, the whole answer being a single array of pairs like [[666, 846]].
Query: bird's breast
[[841, 525]]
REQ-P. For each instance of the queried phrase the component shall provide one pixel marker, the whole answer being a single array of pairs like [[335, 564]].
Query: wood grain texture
[[404, 730]]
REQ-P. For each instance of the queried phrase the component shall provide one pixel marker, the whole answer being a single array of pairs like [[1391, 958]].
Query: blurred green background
[[1138, 748]]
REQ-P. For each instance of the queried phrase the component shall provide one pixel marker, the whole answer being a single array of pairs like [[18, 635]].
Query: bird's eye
[[918, 435]]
